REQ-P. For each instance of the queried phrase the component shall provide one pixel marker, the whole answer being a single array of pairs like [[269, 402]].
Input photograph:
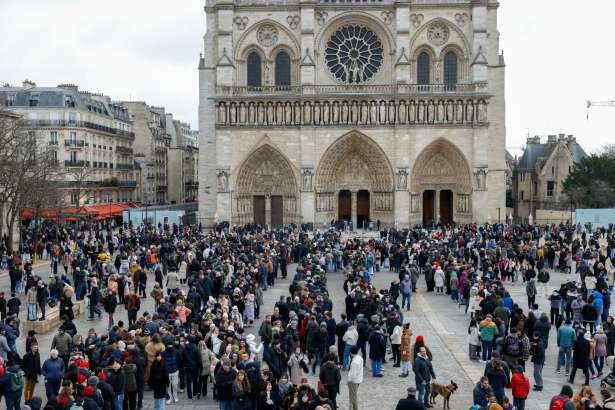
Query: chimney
[[551, 139], [533, 140], [72, 87], [27, 84], [572, 139]]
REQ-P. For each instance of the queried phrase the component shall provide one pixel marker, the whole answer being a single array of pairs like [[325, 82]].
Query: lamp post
[[499, 219]]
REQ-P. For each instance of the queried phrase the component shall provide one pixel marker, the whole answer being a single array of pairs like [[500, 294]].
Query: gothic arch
[[441, 165], [460, 36], [355, 152], [266, 172], [292, 42]]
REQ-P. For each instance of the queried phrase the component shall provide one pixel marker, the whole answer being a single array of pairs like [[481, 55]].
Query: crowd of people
[[208, 291]]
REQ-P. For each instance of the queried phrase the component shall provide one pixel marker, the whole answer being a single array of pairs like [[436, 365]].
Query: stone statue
[[307, 179], [482, 111], [402, 179], [222, 181], [481, 178]]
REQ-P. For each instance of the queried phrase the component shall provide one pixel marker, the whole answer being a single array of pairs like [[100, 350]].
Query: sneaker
[[169, 401], [558, 371], [176, 400]]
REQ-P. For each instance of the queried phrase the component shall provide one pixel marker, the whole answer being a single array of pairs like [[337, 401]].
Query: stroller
[[609, 380]]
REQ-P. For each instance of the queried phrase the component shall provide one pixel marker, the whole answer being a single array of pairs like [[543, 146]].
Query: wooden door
[[259, 209], [362, 209], [428, 207], [277, 211], [446, 206], [344, 206]]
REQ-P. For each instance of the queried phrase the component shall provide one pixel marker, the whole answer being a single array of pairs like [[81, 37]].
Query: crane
[[600, 104]]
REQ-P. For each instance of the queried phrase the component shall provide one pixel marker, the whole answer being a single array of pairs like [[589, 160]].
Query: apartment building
[[183, 161]]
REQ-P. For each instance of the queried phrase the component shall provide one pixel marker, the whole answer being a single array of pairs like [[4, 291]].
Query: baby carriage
[[609, 380]]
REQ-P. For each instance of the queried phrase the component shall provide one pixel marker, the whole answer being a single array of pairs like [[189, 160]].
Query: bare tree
[[28, 171], [609, 150]]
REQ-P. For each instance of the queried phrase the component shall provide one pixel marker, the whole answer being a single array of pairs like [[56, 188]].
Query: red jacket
[[520, 386]]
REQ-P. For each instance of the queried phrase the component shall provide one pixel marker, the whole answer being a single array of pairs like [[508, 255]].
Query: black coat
[[580, 356], [409, 403], [158, 380], [377, 346], [31, 365]]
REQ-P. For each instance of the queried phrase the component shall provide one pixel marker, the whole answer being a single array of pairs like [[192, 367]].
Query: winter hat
[[93, 381], [420, 339], [88, 391]]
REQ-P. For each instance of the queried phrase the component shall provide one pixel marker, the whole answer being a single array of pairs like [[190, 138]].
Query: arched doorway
[[266, 189], [354, 166], [441, 179]]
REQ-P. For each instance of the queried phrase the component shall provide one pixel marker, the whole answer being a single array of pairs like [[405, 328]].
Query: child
[[520, 388], [473, 340]]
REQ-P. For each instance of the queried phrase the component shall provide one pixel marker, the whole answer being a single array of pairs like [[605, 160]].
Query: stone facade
[[313, 111], [183, 161], [540, 173]]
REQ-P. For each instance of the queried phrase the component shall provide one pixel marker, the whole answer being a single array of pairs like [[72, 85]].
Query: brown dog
[[444, 391]]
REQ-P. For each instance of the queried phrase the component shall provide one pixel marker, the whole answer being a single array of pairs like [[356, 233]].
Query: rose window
[[354, 54]]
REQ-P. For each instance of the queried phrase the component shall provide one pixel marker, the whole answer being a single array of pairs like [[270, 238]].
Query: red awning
[[107, 209]]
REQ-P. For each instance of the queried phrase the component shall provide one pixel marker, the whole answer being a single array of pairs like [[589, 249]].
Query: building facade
[[390, 110], [183, 161], [91, 136], [151, 149], [540, 172]]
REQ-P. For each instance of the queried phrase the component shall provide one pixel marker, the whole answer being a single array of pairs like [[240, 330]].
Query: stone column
[[268, 210], [437, 206], [353, 208]]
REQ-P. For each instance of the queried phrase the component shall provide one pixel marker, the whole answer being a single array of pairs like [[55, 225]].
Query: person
[[130, 388], [53, 372], [268, 399], [481, 393], [31, 365], [297, 366], [13, 387], [241, 392], [537, 349], [377, 351], [191, 359], [225, 377], [351, 338], [585, 398], [355, 377], [498, 378], [117, 380], [488, 333], [473, 340], [62, 342], [530, 290], [565, 340], [110, 304], [410, 402], [404, 350], [95, 297], [563, 400], [406, 292], [580, 356], [520, 388], [601, 340], [171, 359], [158, 380], [423, 373], [330, 376], [396, 336]]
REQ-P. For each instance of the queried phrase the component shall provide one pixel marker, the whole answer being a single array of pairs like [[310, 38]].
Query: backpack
[[543, 276], [16, 381], [559, 403], [513, 346]]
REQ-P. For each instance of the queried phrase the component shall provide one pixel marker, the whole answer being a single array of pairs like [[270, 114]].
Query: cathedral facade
[[363, 110]]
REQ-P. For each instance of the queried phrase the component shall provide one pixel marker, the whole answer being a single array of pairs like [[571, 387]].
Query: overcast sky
[[558, 55]]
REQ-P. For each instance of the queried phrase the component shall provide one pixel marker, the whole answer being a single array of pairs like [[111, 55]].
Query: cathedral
[[312, 111]]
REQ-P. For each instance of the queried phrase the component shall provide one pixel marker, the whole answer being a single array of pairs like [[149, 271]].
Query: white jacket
[[355, 374], [396, 335], [351, 337]]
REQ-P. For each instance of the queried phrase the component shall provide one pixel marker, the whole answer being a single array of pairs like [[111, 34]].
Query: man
[[53, 372], [351, 338], [355, 377], [95, 297], [488, 333], [423, 373], [377, 351], [62, 342], [410, 402], [565, 340], [224, 377], [13, 387], [191, 358], [481, 393], [406, 292], [340, 330], [580, 357], [117, 380]]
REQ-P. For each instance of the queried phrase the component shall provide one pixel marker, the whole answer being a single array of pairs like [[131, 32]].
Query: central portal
[[344, 205], [362, 209]]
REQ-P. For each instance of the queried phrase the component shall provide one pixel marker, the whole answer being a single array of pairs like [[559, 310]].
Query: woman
[[537, 349], [208, 360], [130, 386], [330, 376], [158, 380], [404, 350], [497, 379], [65, 398], [268, 399], [152, 348], [585, 399], [297, 366], [601, 341], [32, 368], [473, 340], [241, 392]]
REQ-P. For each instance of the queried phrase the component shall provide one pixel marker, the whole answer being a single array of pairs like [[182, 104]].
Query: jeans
[[226, 405], [376, 367], [52, 387], [564, 356], [94, 309], [13, 402], [487, 349], [472, 352], [32, 312], [192, 382], [423, 393], [599, 362], [118, 402], [405, 367], [346, 357], [538, 374], [519, 404], [317, 359], [173, 387], [405, 300], [80, 290], [159, 404]]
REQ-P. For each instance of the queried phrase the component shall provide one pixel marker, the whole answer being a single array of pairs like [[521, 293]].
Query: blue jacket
[[170, 359], [53, 369], [566, 336], [597, 301]]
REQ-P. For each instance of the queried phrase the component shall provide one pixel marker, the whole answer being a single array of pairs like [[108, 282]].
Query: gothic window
[[422, 69], [254, 70], [354, 54], [450, 68], [282, 69]]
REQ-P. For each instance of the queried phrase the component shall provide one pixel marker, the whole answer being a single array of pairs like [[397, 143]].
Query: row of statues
[[352, 112]]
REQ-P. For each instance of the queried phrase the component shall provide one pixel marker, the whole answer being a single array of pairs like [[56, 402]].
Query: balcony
[[80, 124], [76, 164], [53, 144], [353, 105], [124, 166], [127, 184], [124, 150], [74, 143]]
